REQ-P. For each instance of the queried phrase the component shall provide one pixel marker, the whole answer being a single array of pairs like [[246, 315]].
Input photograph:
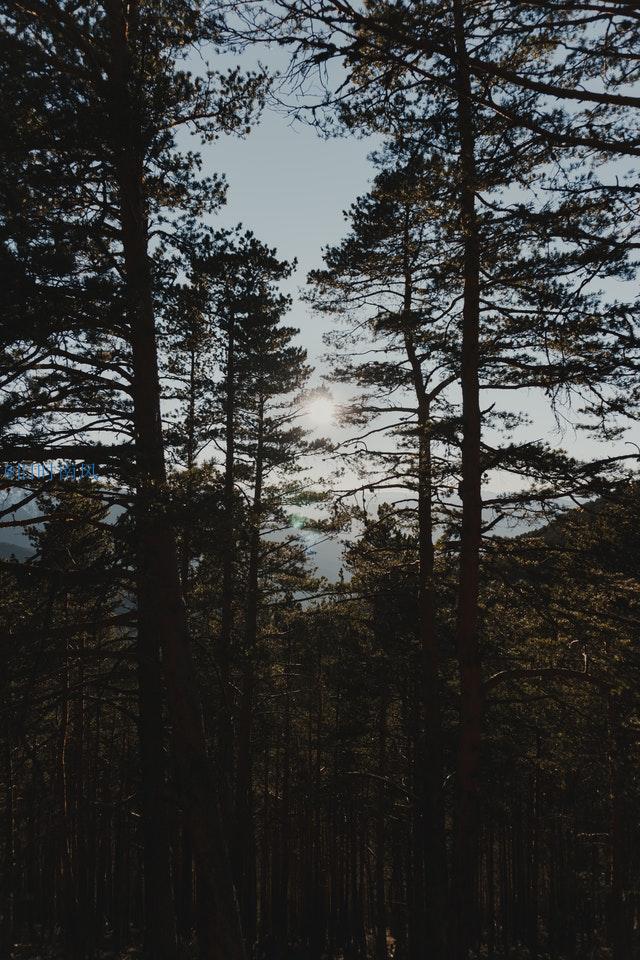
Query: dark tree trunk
[[535, 855], [120, 877], [184, 885], [464, 905], [8, 878], [619, 925], [153, 548], [225, 712], [380, 849], [160, 930], [245, 847], [161, 613], [432, 863], [282, 847]]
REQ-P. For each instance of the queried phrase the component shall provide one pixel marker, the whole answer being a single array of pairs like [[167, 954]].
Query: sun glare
[[321, 410]]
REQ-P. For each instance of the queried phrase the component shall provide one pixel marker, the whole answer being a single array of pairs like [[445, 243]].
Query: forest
[[214, 744]]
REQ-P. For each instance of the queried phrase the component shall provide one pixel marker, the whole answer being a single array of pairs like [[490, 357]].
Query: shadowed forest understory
[[210, 745]]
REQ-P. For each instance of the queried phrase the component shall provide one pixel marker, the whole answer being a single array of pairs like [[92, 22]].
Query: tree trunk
[[619, 925], [433, 824], [184, 885], [282, 850], [380, 835], [8, 891], [463, 914], [161, 613], [244, 847], [160, 928], [431, 814], [225, 719]]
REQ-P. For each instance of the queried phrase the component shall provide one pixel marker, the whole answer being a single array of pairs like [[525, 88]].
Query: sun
[[321, 409]]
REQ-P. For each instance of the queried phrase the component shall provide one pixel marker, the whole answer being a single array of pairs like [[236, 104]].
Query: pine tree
[[262, 377], [386, 278], [111, 90], [501, 323]]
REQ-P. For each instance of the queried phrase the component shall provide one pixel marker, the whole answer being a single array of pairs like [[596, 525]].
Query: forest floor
[[29, 952]]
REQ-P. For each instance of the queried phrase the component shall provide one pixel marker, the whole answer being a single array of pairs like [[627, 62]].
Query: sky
[[291, 186]]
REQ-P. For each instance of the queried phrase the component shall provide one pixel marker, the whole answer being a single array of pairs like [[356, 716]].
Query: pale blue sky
[[290, 186]]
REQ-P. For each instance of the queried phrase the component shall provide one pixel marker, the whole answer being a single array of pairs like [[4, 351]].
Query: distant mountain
[[15, 551]]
